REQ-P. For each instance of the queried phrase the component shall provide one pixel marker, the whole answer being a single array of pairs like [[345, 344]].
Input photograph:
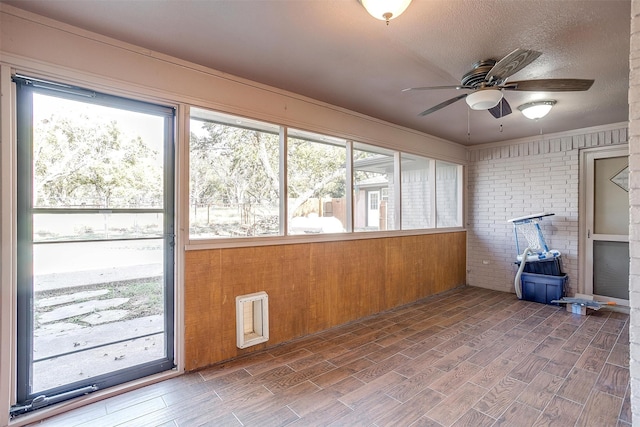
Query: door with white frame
[[373, 213], [95, 239], [605, 266]]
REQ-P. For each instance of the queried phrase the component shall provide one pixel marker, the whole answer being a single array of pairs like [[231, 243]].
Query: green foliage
[[233, 166], [315, 170], [237, 167], [78, 162]]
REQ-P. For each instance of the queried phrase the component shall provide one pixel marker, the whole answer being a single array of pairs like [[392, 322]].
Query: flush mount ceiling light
[[536, 110], [484, 99], [385, 10]]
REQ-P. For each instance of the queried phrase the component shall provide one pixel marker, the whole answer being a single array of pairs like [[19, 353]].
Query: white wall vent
[[252, 319]]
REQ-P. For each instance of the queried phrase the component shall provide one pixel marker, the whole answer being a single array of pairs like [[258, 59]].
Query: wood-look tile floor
[[470, 357]]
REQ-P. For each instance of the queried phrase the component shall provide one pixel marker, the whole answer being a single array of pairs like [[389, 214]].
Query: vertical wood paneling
[[199, 292], [311, 286]]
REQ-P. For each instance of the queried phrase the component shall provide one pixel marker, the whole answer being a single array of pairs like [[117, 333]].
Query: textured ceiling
[[333, 51]]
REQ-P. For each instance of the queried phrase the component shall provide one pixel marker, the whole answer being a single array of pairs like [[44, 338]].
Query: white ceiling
[[334, 51]]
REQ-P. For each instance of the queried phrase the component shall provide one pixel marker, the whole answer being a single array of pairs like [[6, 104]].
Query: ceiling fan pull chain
[[500, 127], [468, 125], [501, 115]]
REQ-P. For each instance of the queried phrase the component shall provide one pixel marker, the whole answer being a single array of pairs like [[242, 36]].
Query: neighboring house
[[372, 204]]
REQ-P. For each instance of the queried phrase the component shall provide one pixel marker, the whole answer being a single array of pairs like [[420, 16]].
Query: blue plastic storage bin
[[542, 288]]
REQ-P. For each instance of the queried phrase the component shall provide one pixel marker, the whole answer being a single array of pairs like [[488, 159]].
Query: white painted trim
[[8, 247], [349, 188], [461, 194], [182, 229], [316, 238], [611, 237], [585, 216], [397, 191]]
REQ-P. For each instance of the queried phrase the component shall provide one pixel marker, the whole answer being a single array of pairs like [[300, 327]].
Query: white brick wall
[[634, 197], [518, 179]]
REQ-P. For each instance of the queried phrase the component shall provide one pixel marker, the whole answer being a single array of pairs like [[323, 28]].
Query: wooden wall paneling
[[246, 271], [372, 262], [326, 282], [294, 295], [362, 261], [311, 287], [417, 276], [347, 279], [396, 273], [451, 247], [201, 311]]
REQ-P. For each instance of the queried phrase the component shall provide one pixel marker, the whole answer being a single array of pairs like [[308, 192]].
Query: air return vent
[[252, 319]]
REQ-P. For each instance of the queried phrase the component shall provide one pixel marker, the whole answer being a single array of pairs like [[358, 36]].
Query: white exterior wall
[[521, 178]]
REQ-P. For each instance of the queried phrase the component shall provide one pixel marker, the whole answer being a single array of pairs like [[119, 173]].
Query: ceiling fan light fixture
[[385, 10], [537, 109], [484, 99]]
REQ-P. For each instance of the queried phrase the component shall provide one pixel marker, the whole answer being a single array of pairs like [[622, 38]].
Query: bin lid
[[529, 217]]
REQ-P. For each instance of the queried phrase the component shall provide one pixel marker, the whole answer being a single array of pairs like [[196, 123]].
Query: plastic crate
[[551, 266], [542, 288]]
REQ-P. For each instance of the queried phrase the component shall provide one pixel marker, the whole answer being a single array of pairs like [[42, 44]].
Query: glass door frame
[[586, 223], [23, 315]]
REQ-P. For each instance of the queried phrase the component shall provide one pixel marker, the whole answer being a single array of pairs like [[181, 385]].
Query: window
[[316, 166], [448, 198], [238, 186], [234, 177], [417, 192], [373, 176]]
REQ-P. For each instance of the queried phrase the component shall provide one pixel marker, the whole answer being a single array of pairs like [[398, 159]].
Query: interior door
[[607, 225], [95, 228]]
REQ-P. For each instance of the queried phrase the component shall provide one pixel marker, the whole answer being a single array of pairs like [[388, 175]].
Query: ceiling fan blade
[[550, 85], [443, 104], [436, 87], [502, 109], [511, 64]]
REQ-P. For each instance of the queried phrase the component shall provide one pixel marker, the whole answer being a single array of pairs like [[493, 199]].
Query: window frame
[[25, 88], [284, 237]]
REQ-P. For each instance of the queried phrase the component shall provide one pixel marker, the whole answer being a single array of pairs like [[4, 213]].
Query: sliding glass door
[[95, 241]]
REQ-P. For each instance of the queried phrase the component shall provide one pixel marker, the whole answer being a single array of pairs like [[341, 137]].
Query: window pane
[[89, 297], [92, 156], [416, 192], [447, 197], [61, 227], [234, 177], [373, 170], [316, 183]]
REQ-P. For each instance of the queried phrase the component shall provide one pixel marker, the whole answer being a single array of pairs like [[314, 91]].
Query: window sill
[[243, 242]]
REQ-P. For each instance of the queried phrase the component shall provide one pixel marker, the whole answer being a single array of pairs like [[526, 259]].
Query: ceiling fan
[[488, 79]]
